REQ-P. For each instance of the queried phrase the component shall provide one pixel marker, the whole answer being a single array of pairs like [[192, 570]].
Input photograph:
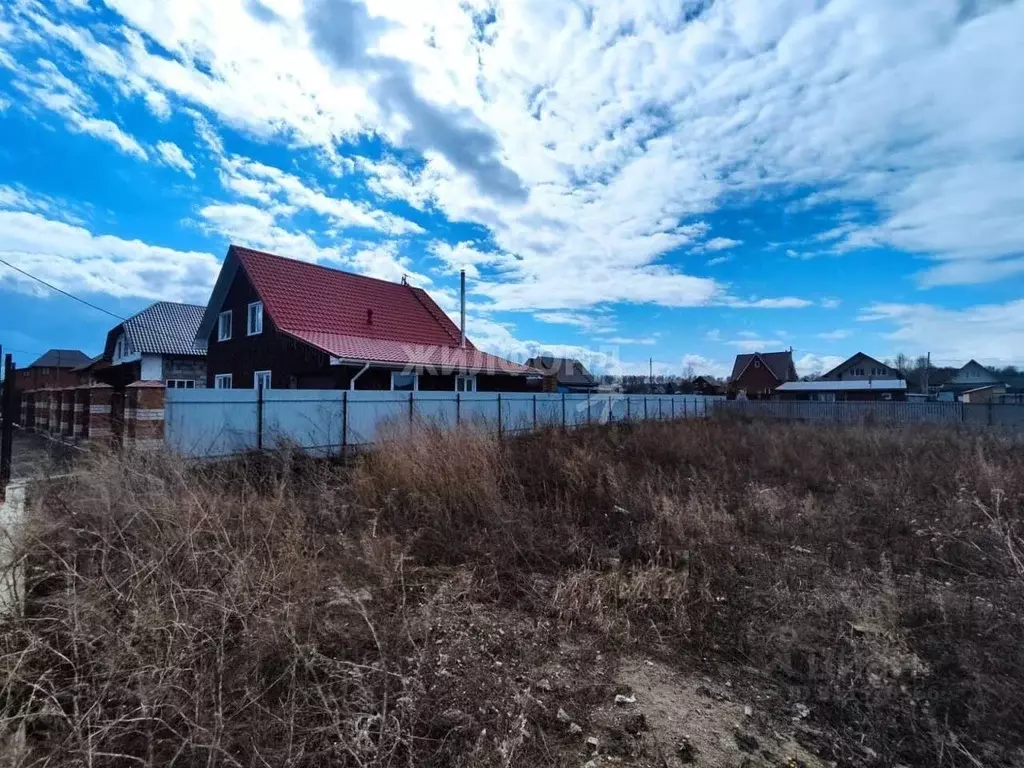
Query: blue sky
[[622, 180]]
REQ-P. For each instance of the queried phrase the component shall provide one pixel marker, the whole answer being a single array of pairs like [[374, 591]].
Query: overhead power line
[[62, 291]]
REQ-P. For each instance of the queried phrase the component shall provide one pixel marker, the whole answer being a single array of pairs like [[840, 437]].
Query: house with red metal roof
[[294, 325]]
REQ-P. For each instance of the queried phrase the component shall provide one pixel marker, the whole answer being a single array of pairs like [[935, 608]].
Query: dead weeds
[[757, 594]]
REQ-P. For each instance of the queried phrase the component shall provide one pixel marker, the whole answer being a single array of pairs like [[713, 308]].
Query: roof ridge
[[314, 265]]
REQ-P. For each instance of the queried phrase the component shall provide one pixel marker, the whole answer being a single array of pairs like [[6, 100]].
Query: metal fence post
[[685, 410], [611, 410], [629, 408], [500, 419], [659, 410], [535, 413], [259, 414], [7, 427], [645, 407], [344, 423], [564, 425], [412, 408], [458, 408]]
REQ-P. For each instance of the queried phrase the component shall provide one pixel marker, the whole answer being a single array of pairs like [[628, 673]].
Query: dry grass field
[[710, 593]]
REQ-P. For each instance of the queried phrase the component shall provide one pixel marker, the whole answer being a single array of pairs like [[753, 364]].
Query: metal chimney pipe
[[462, 324]]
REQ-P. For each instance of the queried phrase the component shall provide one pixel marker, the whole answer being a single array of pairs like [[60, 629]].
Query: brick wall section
[[98, 425], [144, 415], [67, 417], [55, 413], [187, 368], [82, 413], [42, 410]]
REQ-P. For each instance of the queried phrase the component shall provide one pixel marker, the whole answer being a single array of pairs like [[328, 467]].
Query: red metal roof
[[443, 359], [331, 310]]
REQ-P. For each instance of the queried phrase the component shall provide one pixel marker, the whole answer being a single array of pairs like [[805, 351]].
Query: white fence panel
[[227, 422], [210, 422], [369, 412], [312, 419]]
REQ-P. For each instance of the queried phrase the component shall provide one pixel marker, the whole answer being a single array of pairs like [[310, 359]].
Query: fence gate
[[7, 419]]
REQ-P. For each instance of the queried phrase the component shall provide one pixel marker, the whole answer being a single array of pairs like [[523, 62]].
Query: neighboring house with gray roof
[[569, 375], [157, 344], [53, 369]]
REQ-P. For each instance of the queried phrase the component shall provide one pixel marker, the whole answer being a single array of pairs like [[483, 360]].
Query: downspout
[[352, 383]]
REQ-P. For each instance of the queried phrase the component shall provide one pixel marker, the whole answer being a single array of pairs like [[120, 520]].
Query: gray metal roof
[[880, 385], [570, 372], [61, 358], [165, 328]]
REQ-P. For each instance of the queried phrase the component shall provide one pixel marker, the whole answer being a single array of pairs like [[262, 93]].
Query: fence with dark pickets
[[7, 420]]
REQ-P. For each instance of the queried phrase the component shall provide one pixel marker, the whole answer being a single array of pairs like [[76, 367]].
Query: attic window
[[757, 363], [224, 326], [255, 325]]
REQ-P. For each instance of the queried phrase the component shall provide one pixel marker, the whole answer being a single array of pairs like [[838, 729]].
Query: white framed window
[[404, 382], [757, 363], [222, 381], [255, 323], [261, 377], [180, 384], [465, 383], [119, 348], [224, 326]]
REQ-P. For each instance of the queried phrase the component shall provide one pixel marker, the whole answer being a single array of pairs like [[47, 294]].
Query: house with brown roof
[[756, 375], [862, 368], [289, 324]]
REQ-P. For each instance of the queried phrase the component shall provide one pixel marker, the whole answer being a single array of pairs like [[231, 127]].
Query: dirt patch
[[660, 717]]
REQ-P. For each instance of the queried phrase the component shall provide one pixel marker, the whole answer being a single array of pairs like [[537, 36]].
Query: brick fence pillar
[[55, 395], [27, 408], [144, 415], [97, 426], [42, 410], [82, 413], [67, 418]]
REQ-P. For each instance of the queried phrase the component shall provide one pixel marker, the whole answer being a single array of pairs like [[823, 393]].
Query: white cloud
[[384, 261], [172, 155], [48, 87], [813, 365], [254, 227], [466, 255], [785, 302], [831, 303], [623, 142], [836, 335], [719, 260], [267, 185], [755, 344], [991, 333], [647, 341], [74, 259], [717, 244], [581, 320], [706, 366]]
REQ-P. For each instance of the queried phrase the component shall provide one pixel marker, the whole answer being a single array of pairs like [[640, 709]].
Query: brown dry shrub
[[283, 611]]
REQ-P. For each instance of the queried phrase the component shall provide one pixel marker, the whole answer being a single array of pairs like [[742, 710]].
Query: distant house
[[861, 367], [757, 374], [833, 390], [972, 376], [569, 375], [704, 385], [54, 369], [290, 324], [157, 344]]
